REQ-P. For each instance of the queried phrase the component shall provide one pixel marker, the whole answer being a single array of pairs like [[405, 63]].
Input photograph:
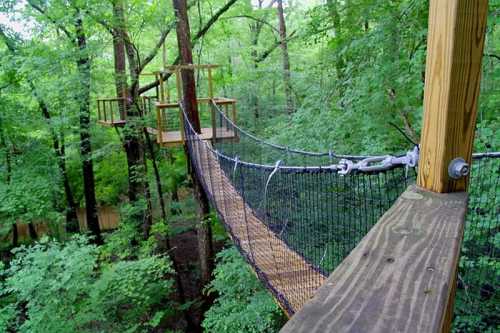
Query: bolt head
[[458, 168]]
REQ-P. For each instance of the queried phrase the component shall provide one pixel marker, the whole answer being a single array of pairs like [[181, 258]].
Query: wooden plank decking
[[174, 138], [285, 270], [109, 123]]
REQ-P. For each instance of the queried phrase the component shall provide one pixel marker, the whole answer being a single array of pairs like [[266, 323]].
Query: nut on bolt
[[458, 168]]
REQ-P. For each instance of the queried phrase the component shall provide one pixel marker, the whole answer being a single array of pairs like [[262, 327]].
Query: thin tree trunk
[[166, 238], [119, 57], [72, 225], [58, 145], [83, 65], [32, 231], [60, 152], [133, 144], [205, 246], [287, 81], [255, 29], [8, 177], [333, 10]]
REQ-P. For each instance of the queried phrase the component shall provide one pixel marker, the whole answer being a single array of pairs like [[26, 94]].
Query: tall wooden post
[[452, 77]]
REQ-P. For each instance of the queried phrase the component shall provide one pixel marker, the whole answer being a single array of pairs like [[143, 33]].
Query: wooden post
[[234, 112], [181, 125], [99, 115], [167, 91], [210, 84], [159, 134], [178, 84], [452, 78], [214, 122], [104, 110], [111, 111], [164, 56], [162, 91]]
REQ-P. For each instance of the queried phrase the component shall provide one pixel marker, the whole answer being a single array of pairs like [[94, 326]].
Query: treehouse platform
[[215, 114]]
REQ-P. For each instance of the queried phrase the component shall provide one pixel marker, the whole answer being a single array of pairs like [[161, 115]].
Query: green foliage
[[63, 287], [243, 304], [357, 69]]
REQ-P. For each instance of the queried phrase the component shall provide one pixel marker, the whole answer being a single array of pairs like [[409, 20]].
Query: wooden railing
[[111, 111], [169, 118], [399, 278]]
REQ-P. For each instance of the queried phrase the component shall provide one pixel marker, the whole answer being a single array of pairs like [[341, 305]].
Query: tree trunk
[[119, 57], [8, 177], [58, 145], [205, 246], [32, 231], [133, 144], [166, 238], [333, 11], [83, 65], [72, 225], [287, 81]]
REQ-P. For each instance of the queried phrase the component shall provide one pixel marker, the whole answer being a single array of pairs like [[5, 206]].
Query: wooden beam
[[452, 78], [399, 277]]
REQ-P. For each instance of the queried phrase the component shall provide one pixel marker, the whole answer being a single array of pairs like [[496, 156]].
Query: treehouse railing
[[213, 112], [111, 111]]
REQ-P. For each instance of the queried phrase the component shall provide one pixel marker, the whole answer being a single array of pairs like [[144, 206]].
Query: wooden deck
[[282, 268], [174, 138], [109, 123]]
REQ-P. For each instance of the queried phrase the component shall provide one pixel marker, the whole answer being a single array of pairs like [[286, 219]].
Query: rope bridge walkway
[[295, 215]]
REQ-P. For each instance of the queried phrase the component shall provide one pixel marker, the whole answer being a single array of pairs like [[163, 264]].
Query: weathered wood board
[[398, 278]]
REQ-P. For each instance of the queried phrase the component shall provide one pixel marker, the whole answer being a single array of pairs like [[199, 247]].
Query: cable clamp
[[236, 161], [345, 166], [276, 168]]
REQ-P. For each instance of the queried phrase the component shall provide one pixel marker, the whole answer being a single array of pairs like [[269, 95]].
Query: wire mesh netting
[[294, 217]]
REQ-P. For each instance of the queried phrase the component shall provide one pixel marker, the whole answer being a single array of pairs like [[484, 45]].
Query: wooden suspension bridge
[[401, 277]]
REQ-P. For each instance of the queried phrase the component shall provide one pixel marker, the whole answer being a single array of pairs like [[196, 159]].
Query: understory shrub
[[243, 304], [63, 287]]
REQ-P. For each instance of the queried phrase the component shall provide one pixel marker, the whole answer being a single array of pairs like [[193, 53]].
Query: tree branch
[[198, 35], [156, 48], [254, 19], [39, 9], [263, 56], [492, 56]]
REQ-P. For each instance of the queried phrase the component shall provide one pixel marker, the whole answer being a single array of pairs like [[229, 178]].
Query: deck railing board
[[398, 278]]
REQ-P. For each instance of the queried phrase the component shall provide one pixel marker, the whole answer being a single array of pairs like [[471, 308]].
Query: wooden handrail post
[[178, 84], [452, 77], [162, 91], [210, 84], [99, 116], [159, 134], [214, 121], [452, 80], [104, 110]]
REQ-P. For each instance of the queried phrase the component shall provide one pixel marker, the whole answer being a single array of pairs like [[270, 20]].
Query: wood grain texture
[[452, 78], [398, 278]]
